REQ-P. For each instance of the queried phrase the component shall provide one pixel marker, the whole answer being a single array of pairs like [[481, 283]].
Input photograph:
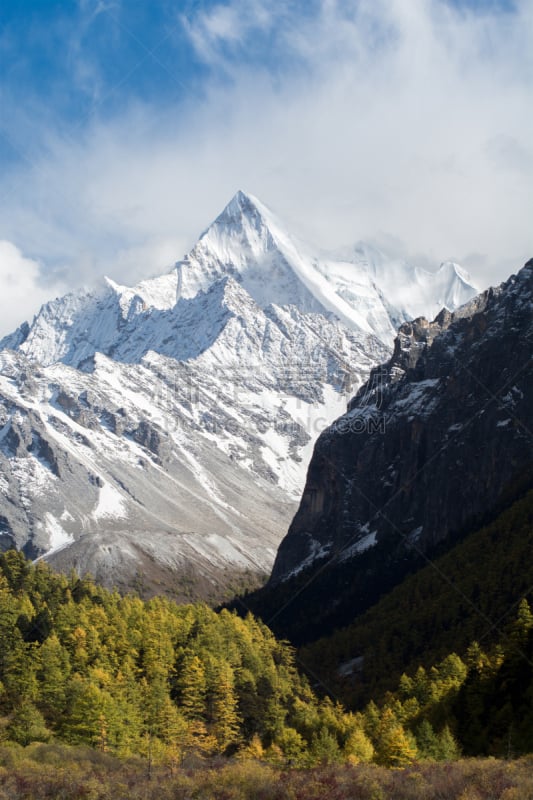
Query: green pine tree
[[27, 724]]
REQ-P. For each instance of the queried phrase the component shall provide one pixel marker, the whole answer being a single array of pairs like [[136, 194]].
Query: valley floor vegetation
[[62, 772]]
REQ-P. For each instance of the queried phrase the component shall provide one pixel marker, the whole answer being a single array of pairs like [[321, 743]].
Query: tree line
[[86, 666]]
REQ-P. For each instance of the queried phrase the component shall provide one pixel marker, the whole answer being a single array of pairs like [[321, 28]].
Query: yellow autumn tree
[[394, 746]]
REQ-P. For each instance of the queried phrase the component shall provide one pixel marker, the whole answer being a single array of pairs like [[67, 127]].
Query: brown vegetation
[[59, 772]]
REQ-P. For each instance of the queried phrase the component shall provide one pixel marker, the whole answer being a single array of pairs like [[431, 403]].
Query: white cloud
[[405, 122], [213, 30], [21, 288]]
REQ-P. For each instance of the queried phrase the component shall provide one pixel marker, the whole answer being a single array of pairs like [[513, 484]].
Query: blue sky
[[125, 127], [79, 62]]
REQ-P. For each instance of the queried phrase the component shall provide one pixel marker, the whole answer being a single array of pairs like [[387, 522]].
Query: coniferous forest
[[102, 694]]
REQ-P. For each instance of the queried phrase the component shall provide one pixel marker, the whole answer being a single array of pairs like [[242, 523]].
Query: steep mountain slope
[[164, 430], [432, 442], [470, 593], [191, 461]]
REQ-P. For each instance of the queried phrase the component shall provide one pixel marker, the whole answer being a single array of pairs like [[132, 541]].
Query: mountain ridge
[[433, 439], [245, 242], [180, 413]]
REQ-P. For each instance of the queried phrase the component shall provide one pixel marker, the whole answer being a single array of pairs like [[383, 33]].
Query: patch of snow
[[457, 426], [110, 503], [360, 546], [318, 551], [415, 535], [58, 537], [33, 476], [419, 398], [366, 542]]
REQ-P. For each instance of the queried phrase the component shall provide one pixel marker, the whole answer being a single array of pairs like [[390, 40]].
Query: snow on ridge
[[158, 293], [413, 290], [367, 291], [250, 243]]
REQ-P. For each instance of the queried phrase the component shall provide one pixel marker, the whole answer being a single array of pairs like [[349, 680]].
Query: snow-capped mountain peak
[[241, 205], [452, 276], [174, 420], [369, 293], [250, 243], [247, 242]]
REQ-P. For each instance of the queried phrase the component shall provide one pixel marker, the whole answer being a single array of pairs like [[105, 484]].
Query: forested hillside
[[470, 593], [86, 666], [480, 705]]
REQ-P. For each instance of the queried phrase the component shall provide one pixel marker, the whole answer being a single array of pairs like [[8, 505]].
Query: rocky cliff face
[[430, 443]]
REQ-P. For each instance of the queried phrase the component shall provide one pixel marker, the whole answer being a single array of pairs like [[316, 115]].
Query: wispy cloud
[[23, 287], [215, 31], [406, 122]]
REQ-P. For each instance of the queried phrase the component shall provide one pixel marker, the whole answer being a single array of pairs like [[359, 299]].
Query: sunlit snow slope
[[159, 435]]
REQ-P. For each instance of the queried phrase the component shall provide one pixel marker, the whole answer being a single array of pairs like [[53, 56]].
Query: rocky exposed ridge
[[433, 440]]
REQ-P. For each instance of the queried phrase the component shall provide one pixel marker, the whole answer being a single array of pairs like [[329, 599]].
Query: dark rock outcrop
[[430, 444]]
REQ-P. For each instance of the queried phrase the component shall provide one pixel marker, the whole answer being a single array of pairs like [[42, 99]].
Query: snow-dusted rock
[[163, 432]]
